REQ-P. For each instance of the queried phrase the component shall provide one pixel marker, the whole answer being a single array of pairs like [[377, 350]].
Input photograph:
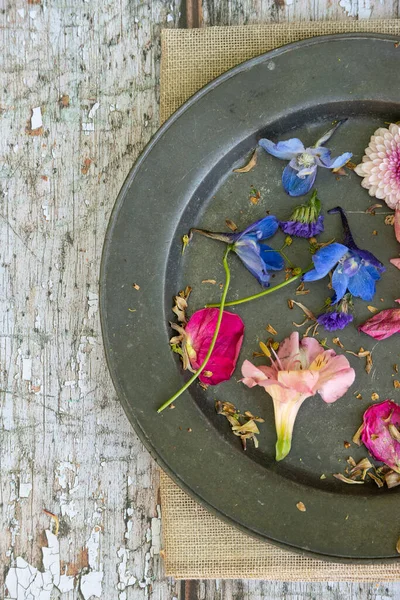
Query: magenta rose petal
[[200, 330], [380, 433], [383, 325]]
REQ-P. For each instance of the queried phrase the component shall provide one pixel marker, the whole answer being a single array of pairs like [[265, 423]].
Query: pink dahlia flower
[[299, 370], [380, 169], [381, 434], [196, 340]]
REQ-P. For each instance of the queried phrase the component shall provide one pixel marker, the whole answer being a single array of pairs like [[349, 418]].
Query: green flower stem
[[260, 294], [214, 339]]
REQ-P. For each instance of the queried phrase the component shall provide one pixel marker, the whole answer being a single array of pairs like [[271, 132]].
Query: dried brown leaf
[[250, 165]]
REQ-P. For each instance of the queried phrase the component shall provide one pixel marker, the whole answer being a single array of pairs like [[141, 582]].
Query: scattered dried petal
[[301, 507], [212, 281], [395, 368], [323, 476], [271, 330], [396, 384], [337, 341], [369, 364], [389, 220], [374, 396], [392, 479], [371, 209], [250, 165], [377, 480], [290, 304], [372, 309], [243, 425], [231, 224], [346, 444], [346, 479], [137, 287], [357, 435], [394, 432]]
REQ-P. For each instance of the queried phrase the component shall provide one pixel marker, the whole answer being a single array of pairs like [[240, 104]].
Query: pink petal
[[252, 375], [376, 423], [289, 349], [395, 262], [300, 382], [312, 348], [335, 377], [397, 222], [200, 330], [382, 325]]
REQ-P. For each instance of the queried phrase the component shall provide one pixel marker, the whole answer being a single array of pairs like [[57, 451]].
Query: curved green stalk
[[260, 294], [214, 339]]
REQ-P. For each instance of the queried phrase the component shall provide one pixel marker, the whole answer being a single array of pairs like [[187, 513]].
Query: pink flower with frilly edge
[[380, 169]]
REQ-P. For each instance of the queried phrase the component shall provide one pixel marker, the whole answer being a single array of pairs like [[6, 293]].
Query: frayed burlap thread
[[197, 545]]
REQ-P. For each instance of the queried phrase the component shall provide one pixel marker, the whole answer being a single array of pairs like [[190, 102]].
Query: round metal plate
[[184, 178]]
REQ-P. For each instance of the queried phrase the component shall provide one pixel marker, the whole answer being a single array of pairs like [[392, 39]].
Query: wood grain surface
[[79, 99]]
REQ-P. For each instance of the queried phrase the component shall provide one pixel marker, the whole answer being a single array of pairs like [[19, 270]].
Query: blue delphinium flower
[[355, 270], [337, 316], [299, 175], [306, 220], [257, 257]]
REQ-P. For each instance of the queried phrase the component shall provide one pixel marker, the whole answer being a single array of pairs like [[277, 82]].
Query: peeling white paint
[[85, 347], [93, 303], [68, 480], [93, 110], [156, 533], [91, 583], [361, 9], [88, 127], [25, 582], [24, 489], [27, 369], [36, 118], [46, 212], [125, 578]]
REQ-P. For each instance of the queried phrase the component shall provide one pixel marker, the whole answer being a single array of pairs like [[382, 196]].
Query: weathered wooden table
[[79, 99]]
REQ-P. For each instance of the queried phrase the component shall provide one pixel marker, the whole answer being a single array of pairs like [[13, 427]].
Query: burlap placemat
[[197, 545]]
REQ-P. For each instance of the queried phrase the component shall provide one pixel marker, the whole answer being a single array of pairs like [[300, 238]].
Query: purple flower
[[332, 321], [337, 316], [306, 220], [354, 270], [258, 258], [299, 175]]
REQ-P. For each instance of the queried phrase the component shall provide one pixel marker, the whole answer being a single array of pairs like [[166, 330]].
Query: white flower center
[[305, 160]]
